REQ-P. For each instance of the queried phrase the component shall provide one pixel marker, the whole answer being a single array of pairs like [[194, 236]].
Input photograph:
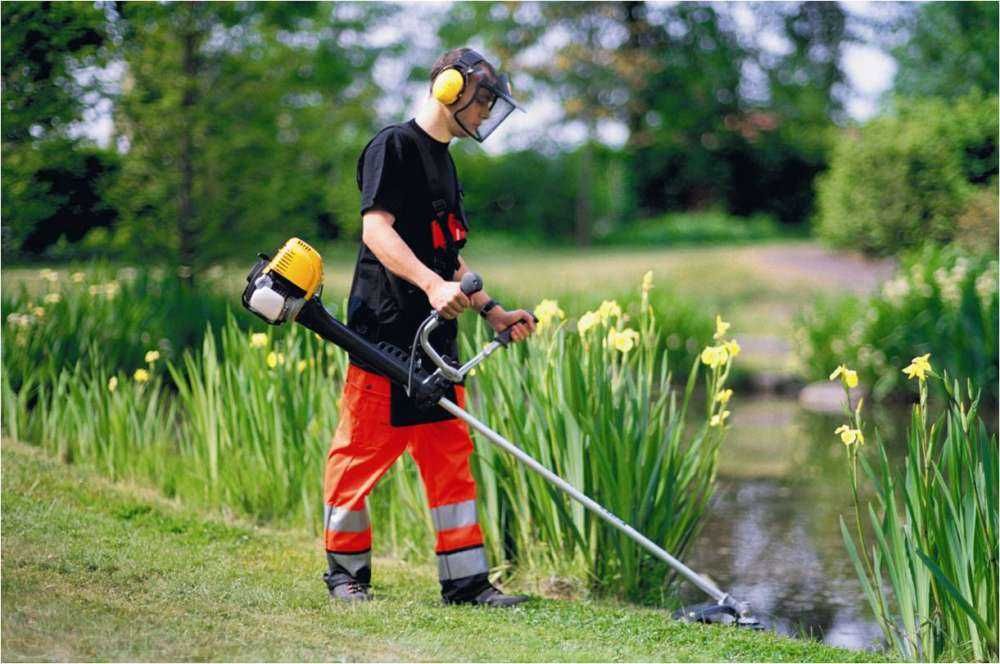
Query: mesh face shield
[[488, 107]]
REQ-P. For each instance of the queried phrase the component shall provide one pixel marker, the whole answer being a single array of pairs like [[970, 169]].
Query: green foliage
[[942, 301], [692, 228], [55, 191], [54, 184], [43, 44], [103, 319], [951, 49], [931, 573], [905, 179], [706, 141], [534, 195], [246, 117]]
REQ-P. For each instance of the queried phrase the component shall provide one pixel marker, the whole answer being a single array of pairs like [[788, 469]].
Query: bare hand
[[523, 322], [447, 298]]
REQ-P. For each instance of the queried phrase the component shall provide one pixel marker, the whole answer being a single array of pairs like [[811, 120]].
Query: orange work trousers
[[364, 446]]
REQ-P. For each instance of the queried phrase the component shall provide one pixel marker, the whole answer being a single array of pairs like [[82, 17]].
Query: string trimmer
[[288, 287]]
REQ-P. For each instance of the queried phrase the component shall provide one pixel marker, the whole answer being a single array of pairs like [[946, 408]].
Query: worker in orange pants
[[364, 447]]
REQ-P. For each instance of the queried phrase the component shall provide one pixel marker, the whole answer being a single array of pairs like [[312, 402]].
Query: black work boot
[[495, 597], [348, 585], [352, 591], [489, 596]]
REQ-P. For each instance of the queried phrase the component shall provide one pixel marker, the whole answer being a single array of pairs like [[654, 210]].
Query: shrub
[[941, 301], [904, 179]]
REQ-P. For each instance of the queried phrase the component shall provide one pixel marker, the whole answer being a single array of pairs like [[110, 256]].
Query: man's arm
[[378, 235], [498, 317]]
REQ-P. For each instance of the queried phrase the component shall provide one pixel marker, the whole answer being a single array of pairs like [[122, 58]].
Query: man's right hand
[[447, 298]]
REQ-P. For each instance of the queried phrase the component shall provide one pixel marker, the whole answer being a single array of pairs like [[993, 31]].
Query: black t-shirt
[[381, 306]]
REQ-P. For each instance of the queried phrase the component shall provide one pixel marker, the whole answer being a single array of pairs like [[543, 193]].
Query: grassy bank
[[94, 570]]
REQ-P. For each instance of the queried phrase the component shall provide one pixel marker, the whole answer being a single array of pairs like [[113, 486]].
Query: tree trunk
[[187, 234], [584, 195]]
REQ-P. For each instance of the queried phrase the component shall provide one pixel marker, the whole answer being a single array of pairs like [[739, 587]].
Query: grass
[[94, 570]]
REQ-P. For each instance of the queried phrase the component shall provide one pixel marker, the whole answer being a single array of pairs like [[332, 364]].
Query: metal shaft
[[594, 507]]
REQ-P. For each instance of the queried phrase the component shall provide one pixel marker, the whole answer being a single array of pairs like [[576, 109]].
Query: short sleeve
[[382, 183]]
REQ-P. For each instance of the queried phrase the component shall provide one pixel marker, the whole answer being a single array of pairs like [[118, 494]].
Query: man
[[409, 263]]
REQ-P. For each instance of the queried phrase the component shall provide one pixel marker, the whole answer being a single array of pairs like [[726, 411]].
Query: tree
[[952, 49], [242, 123], [53, 182]]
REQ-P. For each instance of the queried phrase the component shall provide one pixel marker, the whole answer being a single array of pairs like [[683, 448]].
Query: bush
[[905, 179], [942, 301], [533, 195], [682, 228]]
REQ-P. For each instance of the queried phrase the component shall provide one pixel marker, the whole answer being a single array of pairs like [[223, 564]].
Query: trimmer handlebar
[[471, 283]]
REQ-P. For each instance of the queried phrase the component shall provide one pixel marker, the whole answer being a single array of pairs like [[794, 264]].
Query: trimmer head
[[714, 613]]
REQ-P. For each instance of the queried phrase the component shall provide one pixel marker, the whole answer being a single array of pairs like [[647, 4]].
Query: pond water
[[773, 535]]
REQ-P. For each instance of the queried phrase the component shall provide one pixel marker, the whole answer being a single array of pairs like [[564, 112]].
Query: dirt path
[[797, 273], [835, 271]]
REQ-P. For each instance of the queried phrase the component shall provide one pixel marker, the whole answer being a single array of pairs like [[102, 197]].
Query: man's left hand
[[523, 322]]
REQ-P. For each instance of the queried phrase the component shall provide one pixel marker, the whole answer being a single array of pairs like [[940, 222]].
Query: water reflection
[[773, 535]]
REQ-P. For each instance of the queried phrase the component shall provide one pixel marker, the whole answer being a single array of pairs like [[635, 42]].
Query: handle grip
[[471, 283], [503, 337]]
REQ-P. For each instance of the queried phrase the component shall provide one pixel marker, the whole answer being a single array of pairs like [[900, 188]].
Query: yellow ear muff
[[448, 86]]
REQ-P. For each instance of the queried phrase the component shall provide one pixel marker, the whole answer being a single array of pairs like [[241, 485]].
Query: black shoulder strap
[[435, 183]]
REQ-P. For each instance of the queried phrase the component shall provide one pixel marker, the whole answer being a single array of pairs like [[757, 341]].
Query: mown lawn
[[93, 570]]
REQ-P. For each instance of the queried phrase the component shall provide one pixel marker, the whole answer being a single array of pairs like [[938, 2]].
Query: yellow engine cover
[[300, 264]]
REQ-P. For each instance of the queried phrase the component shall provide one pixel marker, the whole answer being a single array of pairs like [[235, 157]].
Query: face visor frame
[[490, 104]]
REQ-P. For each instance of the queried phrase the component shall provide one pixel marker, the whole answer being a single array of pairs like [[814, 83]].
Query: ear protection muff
[[450, 83]]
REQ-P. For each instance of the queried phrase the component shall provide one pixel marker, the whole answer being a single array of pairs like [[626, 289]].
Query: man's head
[[476, 98]]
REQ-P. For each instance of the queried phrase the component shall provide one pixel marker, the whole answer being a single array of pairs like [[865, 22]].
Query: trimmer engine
[[278, 287]]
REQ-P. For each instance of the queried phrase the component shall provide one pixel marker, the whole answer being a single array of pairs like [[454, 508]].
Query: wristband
[[488, 307]]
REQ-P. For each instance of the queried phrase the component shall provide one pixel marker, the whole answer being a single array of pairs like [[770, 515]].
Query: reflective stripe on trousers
[[461, 564], [456, 526]]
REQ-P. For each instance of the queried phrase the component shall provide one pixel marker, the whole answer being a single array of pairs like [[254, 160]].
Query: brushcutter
[[288, 287]]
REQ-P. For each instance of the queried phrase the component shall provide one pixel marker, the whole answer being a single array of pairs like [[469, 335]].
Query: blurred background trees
[[233, 125]]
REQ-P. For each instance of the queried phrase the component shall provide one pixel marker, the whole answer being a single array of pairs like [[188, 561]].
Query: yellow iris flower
[[647, 282], [919, 367], [850, 436], [721, 327], [587, 321], [719, 419], [548, 311], [715, 356], [608, 309], [623, 341], [848, 376]]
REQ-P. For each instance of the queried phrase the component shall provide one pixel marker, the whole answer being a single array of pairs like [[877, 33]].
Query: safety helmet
[[491, 90]]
